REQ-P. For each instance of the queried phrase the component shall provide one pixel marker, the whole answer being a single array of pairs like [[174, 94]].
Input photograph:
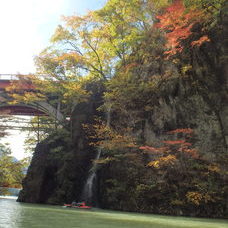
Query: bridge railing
[[17, 76]]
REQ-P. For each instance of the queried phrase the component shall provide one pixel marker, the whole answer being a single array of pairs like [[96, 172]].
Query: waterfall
[[90, 185], [108, 116], [88, 189]]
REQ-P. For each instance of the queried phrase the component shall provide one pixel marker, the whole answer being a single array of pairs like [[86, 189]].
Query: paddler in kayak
[[77, 205], [81, 204], [74, 203]]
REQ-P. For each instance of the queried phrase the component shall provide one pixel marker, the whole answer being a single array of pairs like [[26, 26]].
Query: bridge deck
[[4, 84], [24, 85], [20, 110]]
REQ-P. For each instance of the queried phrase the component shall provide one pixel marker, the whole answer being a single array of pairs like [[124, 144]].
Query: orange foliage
[[152, 149], [174, 142], [130, 66], [182, 130]]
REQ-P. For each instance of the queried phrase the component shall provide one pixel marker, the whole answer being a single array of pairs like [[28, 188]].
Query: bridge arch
[[34, 109], [37, 107]]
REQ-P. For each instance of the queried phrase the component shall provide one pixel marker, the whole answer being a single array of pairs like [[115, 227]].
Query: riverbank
[[22, 215]]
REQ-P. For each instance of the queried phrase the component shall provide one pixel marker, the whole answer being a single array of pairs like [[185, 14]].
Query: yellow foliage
[[154, 164], [166, 160], [105, 160], [108, 138], [197, 198], [214, 168], [194, 197], [186, 68]]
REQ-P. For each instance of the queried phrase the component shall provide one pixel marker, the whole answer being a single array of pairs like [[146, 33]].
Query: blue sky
[[26, 27]]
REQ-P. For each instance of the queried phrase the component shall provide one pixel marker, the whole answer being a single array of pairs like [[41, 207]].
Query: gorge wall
[[128, 177], [59, 166]]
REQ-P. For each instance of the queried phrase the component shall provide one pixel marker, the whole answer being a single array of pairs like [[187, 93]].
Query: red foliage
[[177, 23], [182, 130], [200, 41], [173, 148]]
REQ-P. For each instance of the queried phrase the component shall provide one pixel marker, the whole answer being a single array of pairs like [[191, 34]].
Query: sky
[[26, 27]]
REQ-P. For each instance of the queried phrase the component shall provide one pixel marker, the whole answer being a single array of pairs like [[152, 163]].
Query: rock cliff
[[60, 163]]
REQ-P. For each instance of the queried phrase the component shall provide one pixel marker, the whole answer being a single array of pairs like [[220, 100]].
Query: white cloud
[[17, 144]]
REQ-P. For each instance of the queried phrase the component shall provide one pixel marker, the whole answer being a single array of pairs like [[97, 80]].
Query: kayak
[[80, 206]]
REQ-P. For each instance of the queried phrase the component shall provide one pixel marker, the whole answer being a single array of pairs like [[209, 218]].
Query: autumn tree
[[178, 22], [11, 170], [94, 44]]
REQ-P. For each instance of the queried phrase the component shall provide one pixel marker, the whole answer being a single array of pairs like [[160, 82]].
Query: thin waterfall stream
[[88, 189]]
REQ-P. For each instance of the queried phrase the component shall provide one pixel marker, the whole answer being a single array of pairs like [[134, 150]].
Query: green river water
[[21, 215]]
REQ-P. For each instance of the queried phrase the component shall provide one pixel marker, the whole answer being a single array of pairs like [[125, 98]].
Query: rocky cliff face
[[60, 166], [60, 163], [189, 110], [40, 184]]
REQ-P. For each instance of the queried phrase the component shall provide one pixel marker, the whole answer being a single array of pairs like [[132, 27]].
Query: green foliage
[[60, 134], [96, 43], [211, 8], [4, 150], [11, 171], [3, 119], [40, 127]]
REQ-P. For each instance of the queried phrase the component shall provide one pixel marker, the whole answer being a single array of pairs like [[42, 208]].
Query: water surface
[[21, 215]]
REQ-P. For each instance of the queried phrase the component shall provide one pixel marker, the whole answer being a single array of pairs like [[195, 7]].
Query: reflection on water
[[9, 213], [11, 191], [9, 197], [20, 215]]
